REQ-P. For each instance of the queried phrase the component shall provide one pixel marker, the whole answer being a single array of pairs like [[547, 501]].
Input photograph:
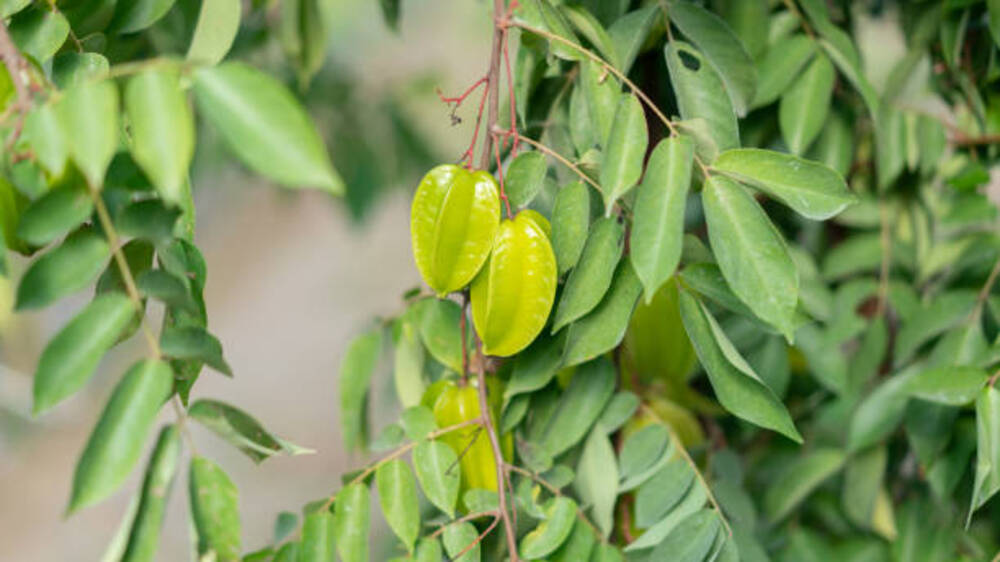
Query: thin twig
[[560, 158], [484, 409], [493, 81], [463, 519], [398, 453], [984, 293], [790, 4]]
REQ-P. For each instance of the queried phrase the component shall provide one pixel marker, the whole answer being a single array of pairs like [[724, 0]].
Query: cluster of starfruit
[[459, 239]]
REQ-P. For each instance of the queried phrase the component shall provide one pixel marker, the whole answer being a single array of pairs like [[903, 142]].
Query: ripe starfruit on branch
[[513, 294], [453, 223]]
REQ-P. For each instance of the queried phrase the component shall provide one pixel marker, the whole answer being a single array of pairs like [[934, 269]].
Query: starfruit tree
[[710, 280]]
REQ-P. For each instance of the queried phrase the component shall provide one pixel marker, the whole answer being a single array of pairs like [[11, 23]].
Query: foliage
[[765, 328]]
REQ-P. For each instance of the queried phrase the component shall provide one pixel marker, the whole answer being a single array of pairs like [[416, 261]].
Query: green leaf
[[435, 464], [284, 525], [535, 366], [811, 189], [602, 93], [987, 449], [578, 546], [214, 510], [799, 479], [942, 313], [304, 33], [737, 387], [700, 93], [597, 479], [71, 68], [643, 449], [240, 429], [570, 223], [751, 253], [397, 494], [459, 538], [438, 321], [408, 364], [524, 178], [11, 7], [89, 115], [72, 355], [692, 539], [780, 66], [117, 440], [862, 482], [590, 28], [805, 105], [265, 126], [39, 33], [880, 412], [606, 552], [629, 33], [351, 522], [624, 151], [604, 327], [658, 222], [721, 48], [993, 11], [150, 219], [166, 287], [218, 22], [317, 537], [835, 145], [658, 496], [543, 15], [417, 422], [390, 13], [618, 411], [356, 369], [162, 130], [144, 537], [43, 132], [552, 532], [693, 501], [54, 214], [848, 62], [63, 270], [951, 385], [194, 342], [589, 281], [578, 407], [138, 15]]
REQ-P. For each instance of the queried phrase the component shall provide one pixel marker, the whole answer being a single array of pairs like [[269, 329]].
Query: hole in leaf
[[690, 61]]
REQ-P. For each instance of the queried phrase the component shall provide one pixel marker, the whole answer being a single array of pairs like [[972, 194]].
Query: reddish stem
[[503, 194], [457, 101]]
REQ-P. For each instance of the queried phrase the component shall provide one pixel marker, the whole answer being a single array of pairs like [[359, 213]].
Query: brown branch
[[963, 140], [493, 80], [16, 65], [484, 409]]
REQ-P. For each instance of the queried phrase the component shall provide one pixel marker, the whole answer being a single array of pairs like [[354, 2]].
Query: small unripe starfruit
[[453, 223]]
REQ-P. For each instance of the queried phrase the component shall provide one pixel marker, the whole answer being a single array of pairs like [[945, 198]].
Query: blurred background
[[292, 276]]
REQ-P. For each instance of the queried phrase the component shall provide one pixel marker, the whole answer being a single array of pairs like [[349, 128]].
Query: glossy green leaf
[[461, 538], [356, 369], [619, 410], [408, 364], [591, 29], [317, 544], [89, 115], [438, 323], [987, 481], [135, 16], [240, 429], [63, 270], [193, 342], [780, 66], [166, 287], [604, 327], [643, 449], [397, 493], [951, 386], [629, 33], [880, 412], [799, 479], [663, 491], [43, 132], [570, 224], [72, 355], [578, 546], [812, 189], [692, 502], [543, 15], [535, 366], [351, 516], [578, 407], [737, 387], [658, 222], [144, 537], [218, 22], [552, 532], [721, 48], [117, 440], [597, 479], [701, 93], [434, 462], [513, 294], [751, 253], [265, 126], [804, 106], [624, 151], [151, 219], [940, 314], [72, 68], [525, 177], [602, 94], [162, 130], [454, 222], [589, 281], [39, 33], [54, 214]]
